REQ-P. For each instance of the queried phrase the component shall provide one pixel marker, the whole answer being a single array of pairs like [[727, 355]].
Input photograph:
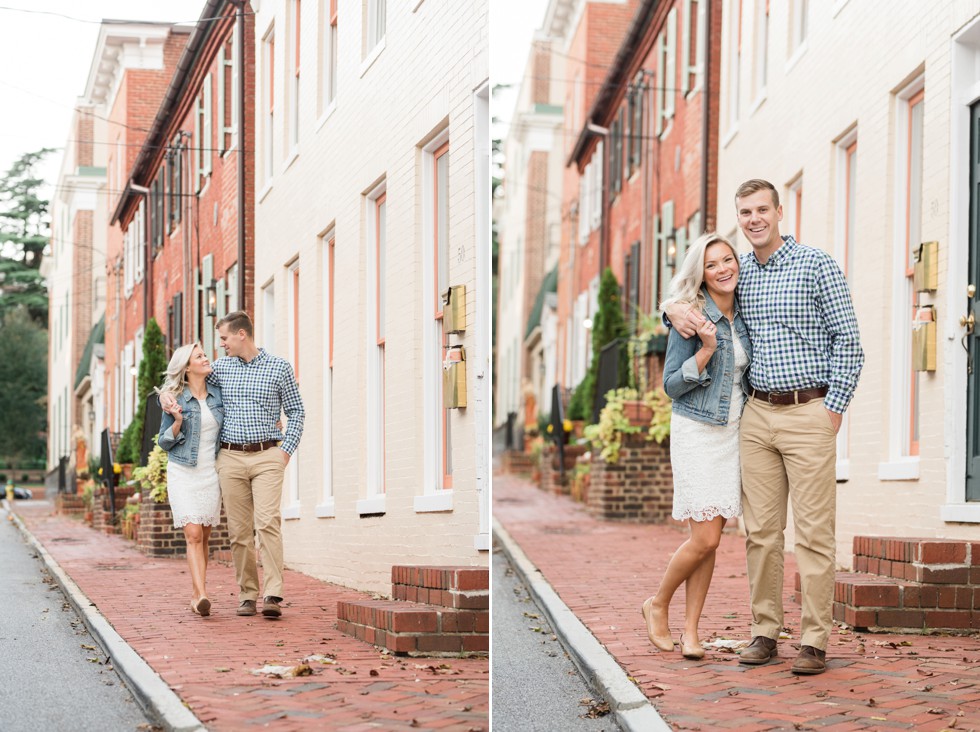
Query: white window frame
[[844, 255], [327, 92], [799, 28], [327, 508], [374, 501], [268, 108], [733, 83], [291, 488], [760, 42]]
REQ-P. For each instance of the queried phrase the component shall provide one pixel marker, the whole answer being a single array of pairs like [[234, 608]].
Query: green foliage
[[152, 366], [580, 405], [607, 435], [153, 477], [608, 325], [24, 236], [24, 380]]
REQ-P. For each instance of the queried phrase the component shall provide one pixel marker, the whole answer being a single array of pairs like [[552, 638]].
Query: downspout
[[241, 154], [705, 123]]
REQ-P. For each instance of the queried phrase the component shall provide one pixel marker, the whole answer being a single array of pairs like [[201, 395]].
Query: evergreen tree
[[24, 379], [608, 325], [24, 236], [152, 366]]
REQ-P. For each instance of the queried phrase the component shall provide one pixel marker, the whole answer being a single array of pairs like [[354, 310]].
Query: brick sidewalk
[[603, 571], [208, 661]]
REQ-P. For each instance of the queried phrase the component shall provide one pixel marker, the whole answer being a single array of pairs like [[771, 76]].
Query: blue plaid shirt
[[804, 333], [255, 394]]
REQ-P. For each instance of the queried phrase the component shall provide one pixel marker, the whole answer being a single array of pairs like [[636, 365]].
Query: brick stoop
[[903, 583], [518, 462], [436, 611]]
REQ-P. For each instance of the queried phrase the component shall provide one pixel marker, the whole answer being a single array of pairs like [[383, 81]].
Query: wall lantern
[[212, 298], [671, 257]]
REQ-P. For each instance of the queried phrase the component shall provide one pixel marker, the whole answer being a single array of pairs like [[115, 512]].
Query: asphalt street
[[536, 687], [53, 676]]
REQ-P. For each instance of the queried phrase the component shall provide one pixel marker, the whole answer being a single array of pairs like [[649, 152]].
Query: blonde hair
[[685, 287], [175, 377]]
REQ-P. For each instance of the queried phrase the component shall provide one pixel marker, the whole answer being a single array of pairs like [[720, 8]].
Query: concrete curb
[[152, 693], [633, 710]]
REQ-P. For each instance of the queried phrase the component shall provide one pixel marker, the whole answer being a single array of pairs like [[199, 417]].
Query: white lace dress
[[704, 458], [195, 496]]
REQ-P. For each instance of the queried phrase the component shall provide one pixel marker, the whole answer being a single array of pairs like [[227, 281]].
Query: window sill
[[758, 102], [371, 58], [327, 114], [293, 154], [291, 512], [433, 502], [417, 6], [327, 509], [797, 55], [481, 542], [960, 513], [374, 504], [265, 190], [729, 136], [901, 469], [843, 471]]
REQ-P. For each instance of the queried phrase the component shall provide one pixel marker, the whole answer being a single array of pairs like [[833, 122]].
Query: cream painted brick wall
[[854, 64], [434, 60]]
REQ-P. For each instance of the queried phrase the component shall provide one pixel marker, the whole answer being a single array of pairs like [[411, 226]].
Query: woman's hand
[[707, 332], [178, 421]]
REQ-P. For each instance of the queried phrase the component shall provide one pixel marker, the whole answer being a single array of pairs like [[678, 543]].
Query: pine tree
[[24, 376], [152, 366]]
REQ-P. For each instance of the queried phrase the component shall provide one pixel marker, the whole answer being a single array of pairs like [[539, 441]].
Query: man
[[806, 361], [256, 388]]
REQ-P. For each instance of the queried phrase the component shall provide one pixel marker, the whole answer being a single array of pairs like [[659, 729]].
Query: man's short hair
[[754, 186], [237, 321]]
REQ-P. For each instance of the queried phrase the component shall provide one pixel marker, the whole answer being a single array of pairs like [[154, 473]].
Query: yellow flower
[[116, 468], [567, 425], [551, 428]]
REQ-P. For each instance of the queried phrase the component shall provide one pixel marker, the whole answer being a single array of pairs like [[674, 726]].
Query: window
[[797, 25], [794, 208], [375, 24], [668, 63], [761, 47], [845, 220], [294, 91], [328, 55], [616, 155], [203, 134], [636, 124], [134, 254], [328, 248], [228, 101], [268, 76], [734, 61], [175, 183], [269, 317], [157, 211], [692, 55], [375, 212], [291, 487], [208, 321], [665, 231]]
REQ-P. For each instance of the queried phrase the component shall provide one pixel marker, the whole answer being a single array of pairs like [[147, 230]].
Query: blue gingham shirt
[[801, 321], [255, 394]]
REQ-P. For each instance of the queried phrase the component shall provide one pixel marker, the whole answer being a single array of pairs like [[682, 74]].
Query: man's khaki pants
[[251, 486], [790, 452]]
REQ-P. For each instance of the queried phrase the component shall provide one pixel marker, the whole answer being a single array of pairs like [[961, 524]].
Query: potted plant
[[152, 477], [614, 423]]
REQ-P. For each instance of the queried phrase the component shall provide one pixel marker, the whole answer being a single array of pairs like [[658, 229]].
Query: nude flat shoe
[[663, 643], [693, 651], [203, 607]]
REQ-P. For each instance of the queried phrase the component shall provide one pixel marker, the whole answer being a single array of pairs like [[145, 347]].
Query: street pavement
[[602, 571], [53, 676], [212, 663], [536, 687]]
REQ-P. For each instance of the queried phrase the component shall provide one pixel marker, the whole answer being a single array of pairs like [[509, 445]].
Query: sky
[[45, 60], [512, 25]]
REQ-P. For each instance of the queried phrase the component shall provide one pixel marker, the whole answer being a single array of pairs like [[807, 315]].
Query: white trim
[[904, 468], [729, 136], [265, 190], [290, 512], [843, 470], [293, 154], [758, 101], [369, 60], [327, 509], [838, 6], [960, 513], [331, 108], [374, 454], [439, 501], [480, 359], [964, 90], [481, 542], [797, 55], [372, 504]]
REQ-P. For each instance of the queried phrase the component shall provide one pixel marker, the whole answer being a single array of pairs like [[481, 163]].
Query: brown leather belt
[[790, 397], [250, 447]]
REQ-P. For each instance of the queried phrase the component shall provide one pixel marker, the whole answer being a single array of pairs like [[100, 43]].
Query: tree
[[23, 386], [152, 366], [24, 236], [608, 325]]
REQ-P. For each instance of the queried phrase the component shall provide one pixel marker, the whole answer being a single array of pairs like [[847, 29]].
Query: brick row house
[[358, 244]]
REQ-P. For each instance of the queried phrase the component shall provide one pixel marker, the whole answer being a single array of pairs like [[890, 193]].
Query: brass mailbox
[[926, 272], [454, 309], [454, 378], [924, 339]]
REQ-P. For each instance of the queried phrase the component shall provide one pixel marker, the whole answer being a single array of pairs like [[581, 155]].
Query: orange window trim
[[333, 12], [296, 39]]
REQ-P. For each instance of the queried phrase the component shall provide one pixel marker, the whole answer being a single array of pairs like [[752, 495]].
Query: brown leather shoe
[[247, 607], [810, 661], [761, 650], [270, 607]]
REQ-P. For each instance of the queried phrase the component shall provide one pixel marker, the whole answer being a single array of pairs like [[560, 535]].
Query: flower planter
[[638, 413]]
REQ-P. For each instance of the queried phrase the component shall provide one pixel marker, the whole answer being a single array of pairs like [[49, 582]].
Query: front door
[[973, 379]]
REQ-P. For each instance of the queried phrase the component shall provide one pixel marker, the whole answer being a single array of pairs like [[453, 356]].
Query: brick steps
[[435, 611], [903, 583], [519, 463]]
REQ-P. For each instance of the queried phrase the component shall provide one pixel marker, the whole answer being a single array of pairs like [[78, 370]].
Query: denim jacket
[[706, 396], [183, 448]]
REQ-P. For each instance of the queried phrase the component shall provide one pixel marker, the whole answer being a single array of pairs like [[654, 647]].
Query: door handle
[[969, 322]]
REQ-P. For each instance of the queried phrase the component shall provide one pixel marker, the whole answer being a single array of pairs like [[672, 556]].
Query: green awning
[[96, 336], [549, 284]]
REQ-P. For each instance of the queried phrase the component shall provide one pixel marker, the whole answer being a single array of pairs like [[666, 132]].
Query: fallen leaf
[[374, 672], [872, 703], [936, 710], [821, 694], [222, 669], [87, 648]]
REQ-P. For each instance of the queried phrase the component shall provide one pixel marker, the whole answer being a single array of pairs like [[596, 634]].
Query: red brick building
[[645, 156], [186, 208]]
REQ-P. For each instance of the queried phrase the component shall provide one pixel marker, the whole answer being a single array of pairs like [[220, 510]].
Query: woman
[[707, 377], [190, 435]]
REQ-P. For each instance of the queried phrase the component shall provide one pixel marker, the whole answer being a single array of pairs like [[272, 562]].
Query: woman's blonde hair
[[685, 287], [175, 377]]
